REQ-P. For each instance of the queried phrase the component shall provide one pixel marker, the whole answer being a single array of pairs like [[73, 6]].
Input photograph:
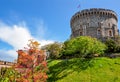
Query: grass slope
[[80, 70]]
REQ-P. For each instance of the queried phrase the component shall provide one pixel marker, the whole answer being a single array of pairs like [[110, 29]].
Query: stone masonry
[[96, 22], [6, 64]]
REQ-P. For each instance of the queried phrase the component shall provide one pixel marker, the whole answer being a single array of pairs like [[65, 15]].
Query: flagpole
[[79, 7]]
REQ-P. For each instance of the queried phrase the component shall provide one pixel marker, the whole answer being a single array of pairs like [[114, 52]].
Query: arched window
[[98, 32], [81, 33], [110, 33]]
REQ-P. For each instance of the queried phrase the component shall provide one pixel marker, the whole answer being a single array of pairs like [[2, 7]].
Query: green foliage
[[8, 75], [83, 46], [54, 49], [84, 70], [113, 46]]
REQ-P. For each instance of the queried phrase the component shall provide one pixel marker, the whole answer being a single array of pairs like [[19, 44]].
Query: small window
[[81, 33], [98, 32], [110, 33]]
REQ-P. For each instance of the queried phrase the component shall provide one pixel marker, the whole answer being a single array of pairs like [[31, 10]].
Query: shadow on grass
[[66, 67]]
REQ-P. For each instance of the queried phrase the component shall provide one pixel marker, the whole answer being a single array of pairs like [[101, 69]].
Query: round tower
[[96, 22]]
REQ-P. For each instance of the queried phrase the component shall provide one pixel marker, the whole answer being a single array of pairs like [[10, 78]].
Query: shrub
[[83, 46], [113, 46], [54, 50], [8, 75]]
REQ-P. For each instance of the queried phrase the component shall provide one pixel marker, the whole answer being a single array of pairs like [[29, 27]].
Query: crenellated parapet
[[94, 11], [95, 22]]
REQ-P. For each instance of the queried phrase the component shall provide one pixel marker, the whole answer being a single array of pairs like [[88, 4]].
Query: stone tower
[[96, 22]]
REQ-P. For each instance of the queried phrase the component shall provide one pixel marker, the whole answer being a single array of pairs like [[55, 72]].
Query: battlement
[[94, 11], [97, 9], [95, 22]]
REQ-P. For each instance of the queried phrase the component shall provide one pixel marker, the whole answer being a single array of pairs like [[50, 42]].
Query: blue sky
[[43, 20]]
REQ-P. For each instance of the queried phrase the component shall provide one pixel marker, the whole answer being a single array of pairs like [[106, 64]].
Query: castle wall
[[97, 23]]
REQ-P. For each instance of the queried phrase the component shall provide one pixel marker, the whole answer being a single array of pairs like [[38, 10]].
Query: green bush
[[83, 46], [54, 50], [8, 75], [113, 46]]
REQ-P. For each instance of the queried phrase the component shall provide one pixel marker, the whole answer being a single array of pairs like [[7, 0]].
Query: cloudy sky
[[43, 20]]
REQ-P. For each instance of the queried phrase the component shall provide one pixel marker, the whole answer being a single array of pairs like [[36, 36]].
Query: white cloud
[[17, 36], [44, 42]]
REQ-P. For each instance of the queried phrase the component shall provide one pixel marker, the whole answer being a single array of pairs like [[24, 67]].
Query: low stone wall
[[6, 64]]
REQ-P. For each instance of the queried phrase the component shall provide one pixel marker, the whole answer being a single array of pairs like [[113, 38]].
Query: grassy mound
[[81, 70]]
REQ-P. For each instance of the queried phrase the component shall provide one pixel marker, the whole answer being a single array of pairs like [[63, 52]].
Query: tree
[[83, 46], [31, 64], [54, 49]]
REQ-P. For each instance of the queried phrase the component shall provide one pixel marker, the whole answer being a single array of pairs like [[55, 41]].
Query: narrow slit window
[[99, 32]]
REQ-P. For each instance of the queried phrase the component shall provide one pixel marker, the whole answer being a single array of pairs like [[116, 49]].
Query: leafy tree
[[117, 40], [31, 65], [83, 46], [54, 49], [113, 45]]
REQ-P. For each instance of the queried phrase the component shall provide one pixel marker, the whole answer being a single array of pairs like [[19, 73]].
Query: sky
[[46, 21]]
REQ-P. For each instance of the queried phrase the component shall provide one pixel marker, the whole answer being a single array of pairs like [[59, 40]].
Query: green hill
[[81, 70]]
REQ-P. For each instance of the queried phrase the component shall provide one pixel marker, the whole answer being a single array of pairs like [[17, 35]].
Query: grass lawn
[[80, 70]]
